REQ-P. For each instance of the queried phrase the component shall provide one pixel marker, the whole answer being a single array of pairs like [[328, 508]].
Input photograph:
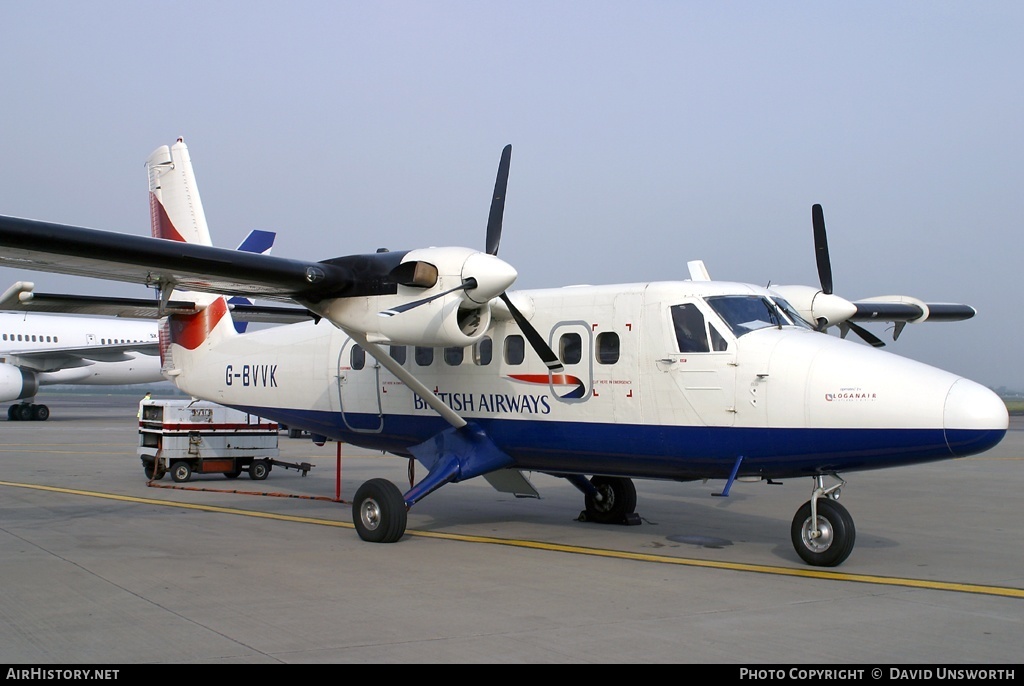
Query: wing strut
[[389, 363]]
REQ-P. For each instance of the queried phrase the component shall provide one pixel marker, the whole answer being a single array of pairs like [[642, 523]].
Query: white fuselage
[[637, 389], [53, 349]]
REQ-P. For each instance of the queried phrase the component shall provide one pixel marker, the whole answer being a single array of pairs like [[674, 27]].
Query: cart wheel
[[153, 473], [258, 470], [181, 472], [234, 473]]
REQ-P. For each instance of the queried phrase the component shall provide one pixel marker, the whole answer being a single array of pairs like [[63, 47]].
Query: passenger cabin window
[[607, 347], [453, 356], [482, 351], [570, 348], [515, 349], [424, 356], [397, 353], [358, 357], [691, 336]]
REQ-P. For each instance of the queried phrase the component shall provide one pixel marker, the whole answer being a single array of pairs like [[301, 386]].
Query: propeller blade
[[821, 250], [546, 354], [868, 337], [464, 286], [494, 219]]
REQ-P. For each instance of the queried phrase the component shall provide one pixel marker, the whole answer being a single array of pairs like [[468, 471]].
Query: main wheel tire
[[13, 413], [618, 499], [181, 472], [40, 413], [379, 512], [258, 470], [837, 534]]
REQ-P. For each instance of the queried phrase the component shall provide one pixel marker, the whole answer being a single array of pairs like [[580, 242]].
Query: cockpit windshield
[[746, 313], [791, 312]]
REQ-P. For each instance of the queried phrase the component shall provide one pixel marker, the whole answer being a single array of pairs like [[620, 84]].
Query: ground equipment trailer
[[186, 437]]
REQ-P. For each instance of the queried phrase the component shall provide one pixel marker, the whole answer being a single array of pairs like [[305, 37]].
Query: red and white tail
[[176, 213]]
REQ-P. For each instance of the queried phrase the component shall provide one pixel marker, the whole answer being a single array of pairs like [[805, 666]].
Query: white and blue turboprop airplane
[[426, 354]]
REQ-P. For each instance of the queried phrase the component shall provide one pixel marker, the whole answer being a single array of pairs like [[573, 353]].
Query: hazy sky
[[645, 134]]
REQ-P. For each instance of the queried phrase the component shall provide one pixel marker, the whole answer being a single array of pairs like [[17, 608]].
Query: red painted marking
[[161, 225], [191, 330]]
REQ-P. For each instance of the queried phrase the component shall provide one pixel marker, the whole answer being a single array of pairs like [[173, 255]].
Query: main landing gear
[[609, 500], [379, 512], [28, 412], [822, 530]]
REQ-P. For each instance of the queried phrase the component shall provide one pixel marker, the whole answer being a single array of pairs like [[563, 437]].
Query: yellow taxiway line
[[809, 573]]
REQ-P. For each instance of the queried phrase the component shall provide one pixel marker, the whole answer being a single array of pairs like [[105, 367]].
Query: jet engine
[[17, 383]]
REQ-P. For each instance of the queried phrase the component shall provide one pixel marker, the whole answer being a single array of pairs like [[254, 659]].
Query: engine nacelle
[[17, 383], [449, 289]]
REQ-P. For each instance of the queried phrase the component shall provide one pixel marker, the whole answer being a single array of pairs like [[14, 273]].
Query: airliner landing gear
[[28, 412], [379, 512], [610, 500], [822, 531]]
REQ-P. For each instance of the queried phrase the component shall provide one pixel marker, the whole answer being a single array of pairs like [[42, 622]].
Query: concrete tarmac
[[101, 568]]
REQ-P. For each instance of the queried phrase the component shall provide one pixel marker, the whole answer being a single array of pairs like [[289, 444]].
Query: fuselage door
[[702, 362], [358, 389]]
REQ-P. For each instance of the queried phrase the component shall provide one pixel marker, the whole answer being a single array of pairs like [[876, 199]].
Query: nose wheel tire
[[379, 512], [828, 543]]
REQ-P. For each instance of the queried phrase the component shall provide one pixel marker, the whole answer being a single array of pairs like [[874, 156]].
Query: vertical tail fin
[[259, 242], [176, 213]]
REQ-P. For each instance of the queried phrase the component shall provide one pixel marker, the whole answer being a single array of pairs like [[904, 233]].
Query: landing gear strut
[[822, 530]]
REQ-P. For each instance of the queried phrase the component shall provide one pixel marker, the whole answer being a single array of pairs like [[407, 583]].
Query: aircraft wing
[[55, 359], [161, 263], [20, 297], [900, 308]]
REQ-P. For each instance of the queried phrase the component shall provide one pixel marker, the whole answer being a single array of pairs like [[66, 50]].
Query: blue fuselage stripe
[[660, 452]]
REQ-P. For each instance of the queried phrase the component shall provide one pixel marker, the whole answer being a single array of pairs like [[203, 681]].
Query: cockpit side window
[[718, 342], [691, 336]]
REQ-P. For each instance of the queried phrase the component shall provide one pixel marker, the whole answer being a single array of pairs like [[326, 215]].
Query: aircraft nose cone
[[974, 418]]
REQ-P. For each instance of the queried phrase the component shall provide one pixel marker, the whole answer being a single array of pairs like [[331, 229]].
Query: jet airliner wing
[[55, 359]]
